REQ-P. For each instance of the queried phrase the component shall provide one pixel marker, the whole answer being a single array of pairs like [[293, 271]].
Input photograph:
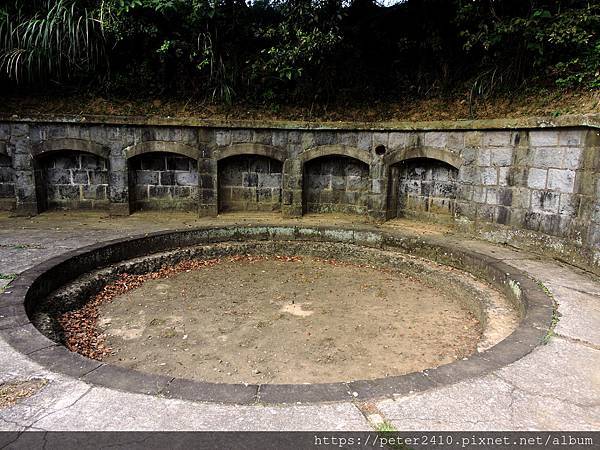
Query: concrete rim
[[21, 334]]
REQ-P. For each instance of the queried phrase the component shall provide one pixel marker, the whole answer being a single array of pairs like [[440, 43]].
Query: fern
[[56, 42]]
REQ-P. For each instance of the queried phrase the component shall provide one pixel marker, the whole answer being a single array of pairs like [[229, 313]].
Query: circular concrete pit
[[275, 314]]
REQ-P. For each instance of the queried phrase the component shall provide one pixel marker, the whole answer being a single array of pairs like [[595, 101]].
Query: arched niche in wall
[[335, 179], [250, 177], [422, 182], [71, 174], [162, 176]]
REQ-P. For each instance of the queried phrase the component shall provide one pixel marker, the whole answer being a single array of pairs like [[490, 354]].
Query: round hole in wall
[[380, 150]]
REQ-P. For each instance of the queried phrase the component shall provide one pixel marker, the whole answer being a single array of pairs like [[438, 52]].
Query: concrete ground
[[556, 387]]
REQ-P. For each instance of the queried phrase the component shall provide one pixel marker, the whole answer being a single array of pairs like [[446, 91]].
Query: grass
[[386, 427], [6, 276]]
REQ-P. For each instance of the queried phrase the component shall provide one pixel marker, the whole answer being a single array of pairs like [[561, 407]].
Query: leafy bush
[[301, 50]]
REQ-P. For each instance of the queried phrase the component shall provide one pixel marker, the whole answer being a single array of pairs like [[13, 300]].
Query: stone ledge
[[589, 120]]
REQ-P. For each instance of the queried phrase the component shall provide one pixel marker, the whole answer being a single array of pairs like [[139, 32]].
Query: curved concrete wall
[[512, 180]]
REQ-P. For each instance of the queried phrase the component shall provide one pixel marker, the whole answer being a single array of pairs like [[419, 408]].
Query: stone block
[[264, 137], [536, 178], [349, 138], [241, 136], [570, 138], [80, 177], [68, 192], [166, 178], [264, 195], [118, 187], [504, 176], [503, 215], [93, 192], [269, 180], [22, 161], [397, 140], [444, 189], [7, 190], [147, 177], [543, 138], [223, 137], [376, 186], [207, 166], [484, 157], [182, 192], [473, 139], [497, 138], [469, 175], [486, 213], [561, 180], [410, 187], [58, 176], [98, 177], [191, 179], [464, 192], [250, 179], [479, 194], [318, 182], [501, 157], [465, 209], [489, 176], [504, 197], [357, 183], [491, 196], [324, 138], [550, 224], [569, 204], [572, 158], [280, 138], [455, 140], [160, 192], [521, 198], [437, 139], [6, 174], [365, 141], [545, 157], [545, 201]]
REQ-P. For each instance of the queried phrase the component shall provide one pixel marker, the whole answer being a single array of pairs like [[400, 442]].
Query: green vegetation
[[299, 51]]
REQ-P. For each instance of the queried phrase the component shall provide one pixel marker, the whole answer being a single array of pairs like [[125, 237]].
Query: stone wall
[[7, 183], [539, 177], [71, 180], [250, 183], [336, 184], [163, 181]]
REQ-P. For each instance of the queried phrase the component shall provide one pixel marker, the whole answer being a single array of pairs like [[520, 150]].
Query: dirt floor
[[286, 320]]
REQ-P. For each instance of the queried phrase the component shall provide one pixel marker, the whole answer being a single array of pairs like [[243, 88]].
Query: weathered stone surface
[[487, 155], [561, 180]]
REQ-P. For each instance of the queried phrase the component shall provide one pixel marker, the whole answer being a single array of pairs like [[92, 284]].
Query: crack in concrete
[[577, 341], [544, 396], [60, 409], [581, 291]]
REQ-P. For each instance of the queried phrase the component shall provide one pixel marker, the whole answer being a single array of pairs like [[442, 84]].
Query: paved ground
[[555, 387]]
